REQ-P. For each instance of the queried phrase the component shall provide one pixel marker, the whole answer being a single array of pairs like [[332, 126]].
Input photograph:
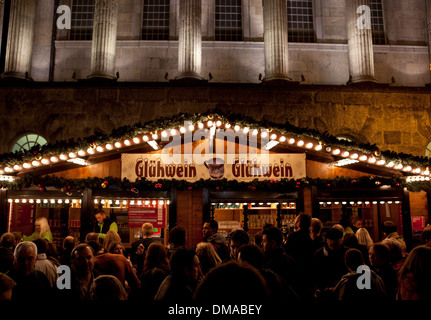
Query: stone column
[[20, 39], [104, 41], [428, 11], [276, 40], [1, 19], [360, 41], [190, 40]]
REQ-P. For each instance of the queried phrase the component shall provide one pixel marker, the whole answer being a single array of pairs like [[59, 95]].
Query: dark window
[[377, 22], [300, 21], [82, 20], [155, 20], [228, 20]]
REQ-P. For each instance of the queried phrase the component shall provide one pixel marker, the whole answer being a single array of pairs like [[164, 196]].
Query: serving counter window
[[57, 217], [131, 213], [362, 214], [253, 216]]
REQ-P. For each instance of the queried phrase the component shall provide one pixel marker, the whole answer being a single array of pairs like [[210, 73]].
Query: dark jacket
[[138, 259], [174, 290], [34, 286], [6, 259], [220, 244], [328, 267]]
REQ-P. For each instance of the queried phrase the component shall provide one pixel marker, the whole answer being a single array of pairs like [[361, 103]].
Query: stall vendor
[[104, 224], [41, 230]]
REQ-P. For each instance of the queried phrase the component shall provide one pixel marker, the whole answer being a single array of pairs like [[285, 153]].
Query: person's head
[[185, 266], [316, 226], [116, 247], [68, 243], [110, 236], [177, 236], [245, 284], [208, 256], [251, 254], [92, 236], [237, 238], [395, 250], [414, 277], [18, 237], [209, 228], [389, 227], [334, 239], [358, 223], [96, 246], [302, 222], [271, 238], [6, 286], [25, 256], [82, 260], [41, 225], [379, 255], [147, 230], [7, 240], [426, 236], [353, 259], [350, 240], [107, 288], [338, 227], [41, 244], [364, 237], [100, 215], [156, 256]]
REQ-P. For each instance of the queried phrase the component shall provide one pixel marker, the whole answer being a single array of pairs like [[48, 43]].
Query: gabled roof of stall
[[285, 138]]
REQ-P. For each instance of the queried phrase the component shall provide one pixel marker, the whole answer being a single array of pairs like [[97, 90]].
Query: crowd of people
[[310, 264]]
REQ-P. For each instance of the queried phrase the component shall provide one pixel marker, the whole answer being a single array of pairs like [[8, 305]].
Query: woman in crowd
[[208, 256]]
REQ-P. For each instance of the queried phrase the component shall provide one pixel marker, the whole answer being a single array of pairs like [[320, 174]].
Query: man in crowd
[[139, 247], [104, 224], [43, 264], [30, 283], [390, 232], [7, 243], [210, 234], [237, 238]]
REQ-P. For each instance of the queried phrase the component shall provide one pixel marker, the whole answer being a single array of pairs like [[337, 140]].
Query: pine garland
[[158, 125], [142, 185]]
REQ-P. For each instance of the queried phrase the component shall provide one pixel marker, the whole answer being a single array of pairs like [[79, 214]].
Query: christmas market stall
[[185, 169]]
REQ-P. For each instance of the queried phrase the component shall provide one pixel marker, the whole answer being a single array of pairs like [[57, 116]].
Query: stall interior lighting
[[417, 178], [6, 178], [344, 162], [79, 161], [354, 203]]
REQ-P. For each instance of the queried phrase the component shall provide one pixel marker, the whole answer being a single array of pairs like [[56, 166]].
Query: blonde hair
[[364, 237], [44, 226], [208, 256], [147, 229], [111, 236]]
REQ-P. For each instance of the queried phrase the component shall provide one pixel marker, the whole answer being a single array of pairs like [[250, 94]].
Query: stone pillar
[[1, 19], [20, 39], [190, 40], [104, 41], [276, 40], [428, 11], [360, 42]]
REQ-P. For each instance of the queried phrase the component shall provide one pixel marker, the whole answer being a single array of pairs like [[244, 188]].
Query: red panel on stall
[[155, 214]]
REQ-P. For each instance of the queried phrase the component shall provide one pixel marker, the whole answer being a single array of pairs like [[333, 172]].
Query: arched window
[[82, 20], [377, 22], [228, 20], [26, 142], [155, 20], [300, 21]]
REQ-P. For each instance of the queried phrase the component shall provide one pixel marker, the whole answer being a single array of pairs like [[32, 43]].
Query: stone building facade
[[392, 112]]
